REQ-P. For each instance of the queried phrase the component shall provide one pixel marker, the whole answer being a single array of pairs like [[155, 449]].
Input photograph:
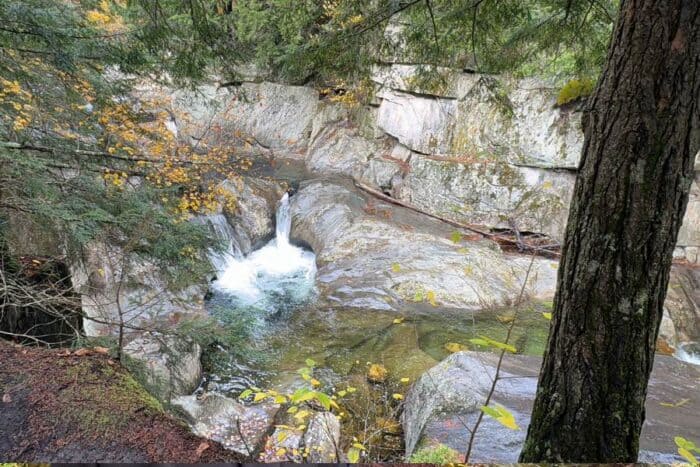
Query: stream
[[269, 302]]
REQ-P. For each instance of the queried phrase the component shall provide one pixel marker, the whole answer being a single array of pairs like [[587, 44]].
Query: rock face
[[236, 426], [168, 367], [482, 149], [374, 255], [443, 404], [252, 216], [132, 289], [682, 306]]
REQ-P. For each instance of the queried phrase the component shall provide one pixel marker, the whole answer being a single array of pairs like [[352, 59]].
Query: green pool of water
[[343, 341]]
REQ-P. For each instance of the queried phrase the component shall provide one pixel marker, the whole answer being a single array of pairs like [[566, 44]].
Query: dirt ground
[[59, 406]]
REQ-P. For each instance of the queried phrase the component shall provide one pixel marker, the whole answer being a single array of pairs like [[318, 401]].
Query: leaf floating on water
[[488, 342], [502, 416], [431, 298], [398, 320], [680, 403], [310, 362], [259, 396], [455, 347], [505, 319]]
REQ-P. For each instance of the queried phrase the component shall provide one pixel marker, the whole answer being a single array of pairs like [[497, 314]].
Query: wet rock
[[237, 427], [375, 255], [322, 438], [456, 386], [283, 445], [253, 212], [167, 366], [443, 405]]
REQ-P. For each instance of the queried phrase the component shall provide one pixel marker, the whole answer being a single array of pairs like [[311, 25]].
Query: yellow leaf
[[259, 396], [405, 380], [455, 347], [397, 396], [396, 267], [398, 320], [547, 315], [281, 452], [315, 382], [431, 298]]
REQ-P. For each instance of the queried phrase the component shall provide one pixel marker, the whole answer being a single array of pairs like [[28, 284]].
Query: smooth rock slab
[[374, 255], [237, 427]]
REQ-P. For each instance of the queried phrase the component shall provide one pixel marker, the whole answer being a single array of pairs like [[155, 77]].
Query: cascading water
[[271, 279], [689, 353]]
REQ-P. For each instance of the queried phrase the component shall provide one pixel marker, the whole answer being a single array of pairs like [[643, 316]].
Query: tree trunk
[[642, 131]]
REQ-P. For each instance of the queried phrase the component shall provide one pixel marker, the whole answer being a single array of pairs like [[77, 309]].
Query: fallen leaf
[[82, 352], [101, 350], [203, 446]]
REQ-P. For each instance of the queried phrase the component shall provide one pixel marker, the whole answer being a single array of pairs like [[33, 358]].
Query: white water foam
[[278, 267], [689, 353]]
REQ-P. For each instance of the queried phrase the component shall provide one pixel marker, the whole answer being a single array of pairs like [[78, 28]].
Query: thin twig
[[500, 361]]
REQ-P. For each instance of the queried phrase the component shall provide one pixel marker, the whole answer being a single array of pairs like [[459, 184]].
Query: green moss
[[438, 454], [104, 398], [574, 90]]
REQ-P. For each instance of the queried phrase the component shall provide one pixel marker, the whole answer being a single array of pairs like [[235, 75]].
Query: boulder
[[457, 385], [167, 366], [443, 404], [375, 255], [236, 426], [322, 438]]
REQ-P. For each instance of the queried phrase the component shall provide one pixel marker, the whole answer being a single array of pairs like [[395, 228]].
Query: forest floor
[[62, 406]]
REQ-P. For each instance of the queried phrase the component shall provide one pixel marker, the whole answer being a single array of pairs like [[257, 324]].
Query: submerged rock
[[236, 426], [442, 406]]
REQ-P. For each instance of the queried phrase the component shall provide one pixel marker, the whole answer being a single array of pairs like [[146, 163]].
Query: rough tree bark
[[642, 131]]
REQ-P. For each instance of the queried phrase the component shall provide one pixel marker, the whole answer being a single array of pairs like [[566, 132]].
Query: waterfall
[[284, 221], [279, 271], [689, 353], [218, 225]]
